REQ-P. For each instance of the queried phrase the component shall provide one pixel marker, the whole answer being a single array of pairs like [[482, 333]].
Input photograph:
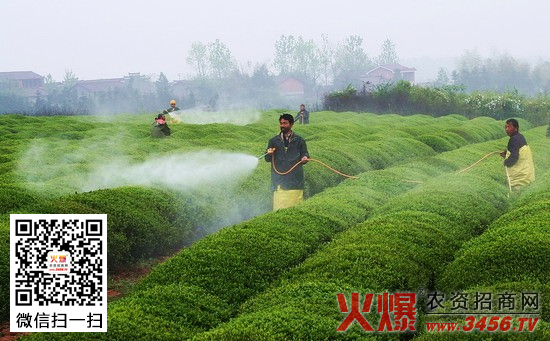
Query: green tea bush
[[242, 261], [161, 313], [456, 202], [349, 204], [141, 223], [511, 254], [384, 253], [397, 249], [239, 262], [404, 246], [5, 273], [14, 197], [309, 314], [247, 257], [515, 249], [436, 142], [537, 191]]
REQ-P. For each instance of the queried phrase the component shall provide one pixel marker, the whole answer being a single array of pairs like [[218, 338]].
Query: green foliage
[[160, 313], [5, 266], [242, 261], [437, 142], [14, 197], [496, 105], [403, 247], [246, 257], [515, 248], [537, 109], [406, 99], [142, 223]]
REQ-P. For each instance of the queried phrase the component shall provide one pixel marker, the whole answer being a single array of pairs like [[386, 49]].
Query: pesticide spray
[[203, 116], [180, 172]]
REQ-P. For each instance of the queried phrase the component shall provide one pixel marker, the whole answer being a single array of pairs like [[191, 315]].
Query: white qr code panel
[[58, 272]]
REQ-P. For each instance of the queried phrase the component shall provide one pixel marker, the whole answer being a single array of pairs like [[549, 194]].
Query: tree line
[[324, 67]]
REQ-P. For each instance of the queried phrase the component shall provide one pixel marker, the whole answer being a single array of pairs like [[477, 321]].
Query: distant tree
[[442, 78], [306, 60], [351, 61], [162, 86], [541, 77], [284, 49], [261, 75], [499, 73], [198, 59], [326, 60], [70, 79], [263, 88], [222, 63], [298, 57], [387, 55], [48, 79], [470, 60], [469, 67]]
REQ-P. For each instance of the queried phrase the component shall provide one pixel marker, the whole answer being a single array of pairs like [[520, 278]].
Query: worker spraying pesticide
[[287, 152], [160, 127], [172, 112], [518, 161]]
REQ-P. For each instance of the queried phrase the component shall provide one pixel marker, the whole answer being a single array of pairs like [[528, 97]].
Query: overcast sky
[[110, 38]]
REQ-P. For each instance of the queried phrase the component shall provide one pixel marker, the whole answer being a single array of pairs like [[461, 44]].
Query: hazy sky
[[110, 38]]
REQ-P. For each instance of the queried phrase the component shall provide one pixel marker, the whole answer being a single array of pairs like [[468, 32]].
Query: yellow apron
[[287, 198], [523, 171]]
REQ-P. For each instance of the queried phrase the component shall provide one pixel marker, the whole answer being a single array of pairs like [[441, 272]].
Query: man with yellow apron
[[287, 152], [518, 161]]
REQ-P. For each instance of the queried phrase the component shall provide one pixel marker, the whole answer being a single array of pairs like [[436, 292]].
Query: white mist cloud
[[176, 172], [192, 116]]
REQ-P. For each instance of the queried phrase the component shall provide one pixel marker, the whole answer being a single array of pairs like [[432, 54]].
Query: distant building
[[24, 79], [98, 86], [140, 82], [28, 83], [388, 73], [290, 86]]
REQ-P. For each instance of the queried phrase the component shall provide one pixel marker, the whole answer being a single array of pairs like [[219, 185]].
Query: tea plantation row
[[511, 256], [205, 284], [150, 222], [403, 247]]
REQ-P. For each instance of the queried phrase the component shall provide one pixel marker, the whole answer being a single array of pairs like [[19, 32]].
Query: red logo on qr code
[[58, 272]]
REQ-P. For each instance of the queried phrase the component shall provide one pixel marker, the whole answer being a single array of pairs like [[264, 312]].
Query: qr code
[[58, 266]]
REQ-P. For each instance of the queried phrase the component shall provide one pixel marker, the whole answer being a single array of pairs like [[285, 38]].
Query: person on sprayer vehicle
[[285, 151], [518, 159]]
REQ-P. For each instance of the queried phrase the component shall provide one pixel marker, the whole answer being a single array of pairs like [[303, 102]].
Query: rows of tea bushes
[[225, 269], [143, 225], [402, 248], [512, 256], [381, 142], [52, 156], [205, 284], [5, 266], [133, 235]]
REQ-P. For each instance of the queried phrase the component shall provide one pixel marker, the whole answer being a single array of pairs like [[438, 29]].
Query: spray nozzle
[[269, 151]]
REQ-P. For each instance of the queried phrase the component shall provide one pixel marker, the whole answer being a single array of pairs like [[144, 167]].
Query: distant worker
[[518, 161], [172, 108], [302, 116], [548, 129], [285, 151], [160, 127]]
